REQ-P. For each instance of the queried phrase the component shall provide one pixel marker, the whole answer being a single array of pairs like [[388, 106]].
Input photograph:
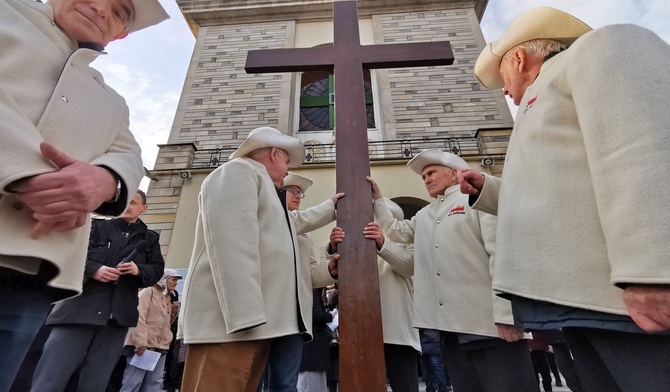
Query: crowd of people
[[568, 249]]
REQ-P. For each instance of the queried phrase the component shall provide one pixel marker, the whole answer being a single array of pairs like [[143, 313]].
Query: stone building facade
[[412, 108]]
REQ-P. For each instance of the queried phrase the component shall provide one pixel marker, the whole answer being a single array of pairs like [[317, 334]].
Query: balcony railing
[[379, 151]]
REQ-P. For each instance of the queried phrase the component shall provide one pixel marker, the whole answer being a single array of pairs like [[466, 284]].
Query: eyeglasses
[[296, 192]]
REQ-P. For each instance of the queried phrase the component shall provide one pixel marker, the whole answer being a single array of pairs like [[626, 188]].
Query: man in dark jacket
[[89, 329]]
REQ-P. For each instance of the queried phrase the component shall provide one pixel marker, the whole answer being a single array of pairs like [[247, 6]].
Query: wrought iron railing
[[379, 151]]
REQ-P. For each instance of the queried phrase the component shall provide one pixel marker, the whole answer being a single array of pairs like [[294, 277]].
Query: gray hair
[[537, 48]]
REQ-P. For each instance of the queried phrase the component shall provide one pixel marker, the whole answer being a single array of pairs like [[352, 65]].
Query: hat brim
[[540, 23], [270, 137], [302, 182], [147, 13], [436, 157]]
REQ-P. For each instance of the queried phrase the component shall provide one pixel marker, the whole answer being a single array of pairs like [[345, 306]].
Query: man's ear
[[520, 60], [120, 35], [273, 153]]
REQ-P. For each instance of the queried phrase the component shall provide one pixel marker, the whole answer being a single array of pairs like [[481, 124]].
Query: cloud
[[149, 67]]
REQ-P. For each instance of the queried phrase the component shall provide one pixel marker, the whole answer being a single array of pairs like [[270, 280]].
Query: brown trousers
[[225, 367]]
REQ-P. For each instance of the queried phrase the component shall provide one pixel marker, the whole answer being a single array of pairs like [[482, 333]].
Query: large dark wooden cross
[[361, 346]]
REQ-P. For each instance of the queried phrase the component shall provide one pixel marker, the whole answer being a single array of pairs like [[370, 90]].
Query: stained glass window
[[317, 101]]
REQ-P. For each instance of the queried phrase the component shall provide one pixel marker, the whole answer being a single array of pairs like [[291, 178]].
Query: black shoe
[[559, 384]]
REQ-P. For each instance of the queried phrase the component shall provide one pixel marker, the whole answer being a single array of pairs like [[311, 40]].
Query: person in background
[[88, 330], [330, 300], [173, 372], [67, 151], [152, 333], [538, 353], [315, 354], [582, 244]]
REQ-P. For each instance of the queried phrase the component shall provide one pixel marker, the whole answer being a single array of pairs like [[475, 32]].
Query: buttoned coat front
[[48, 92], [453, 260], [246, 280]]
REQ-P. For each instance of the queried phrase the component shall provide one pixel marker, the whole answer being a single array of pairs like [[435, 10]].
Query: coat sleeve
[[138, 336], [313, 218], [232, 242], [124, 158], [398, 257], [152, 271], [487, 200], [397, 231], [23, 139], [502, 308], [624, 119], [91, 266], [319, 270]]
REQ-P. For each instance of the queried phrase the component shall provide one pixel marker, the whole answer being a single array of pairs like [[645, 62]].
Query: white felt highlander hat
[[301, 182], [270, 137], [436, 157], [147, 13], [540, 23]]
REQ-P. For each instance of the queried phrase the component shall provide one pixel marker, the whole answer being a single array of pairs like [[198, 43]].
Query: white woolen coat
[[453, 259], [582, 201], [246, 263], [48, 92], [395, 266]]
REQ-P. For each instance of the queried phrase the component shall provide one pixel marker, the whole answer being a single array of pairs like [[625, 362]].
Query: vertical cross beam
[[361, 342]]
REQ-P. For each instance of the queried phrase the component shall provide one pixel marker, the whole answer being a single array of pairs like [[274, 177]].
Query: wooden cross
[[361, 345]]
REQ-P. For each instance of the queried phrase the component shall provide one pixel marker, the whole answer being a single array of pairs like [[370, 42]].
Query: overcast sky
[[149, 67]]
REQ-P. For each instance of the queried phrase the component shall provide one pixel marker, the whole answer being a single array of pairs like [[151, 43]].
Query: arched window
[[317, 101]]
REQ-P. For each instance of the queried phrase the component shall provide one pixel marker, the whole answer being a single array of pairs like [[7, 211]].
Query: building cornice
[[201, 13]]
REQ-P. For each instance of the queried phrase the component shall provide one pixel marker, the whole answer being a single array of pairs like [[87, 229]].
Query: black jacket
[[114, 303]]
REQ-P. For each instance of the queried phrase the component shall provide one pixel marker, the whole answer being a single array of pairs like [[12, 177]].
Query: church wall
[[438, 101], [221, 104]]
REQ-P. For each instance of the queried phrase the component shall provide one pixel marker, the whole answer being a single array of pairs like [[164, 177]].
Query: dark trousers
[[24, 305], [401, 367], [541, 366], [435, 375], [613, 361], [93, 349], [566, 364], [498, 367], [551, 360]]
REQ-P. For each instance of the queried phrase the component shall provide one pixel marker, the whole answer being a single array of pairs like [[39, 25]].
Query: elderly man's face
[[512, 78], [438, 178], [98, 21], [293, 197], [277, 166]]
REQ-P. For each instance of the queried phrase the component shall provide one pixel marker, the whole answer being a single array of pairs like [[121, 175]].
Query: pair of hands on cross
[[648, 305], [372, 232], [61, 200]]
